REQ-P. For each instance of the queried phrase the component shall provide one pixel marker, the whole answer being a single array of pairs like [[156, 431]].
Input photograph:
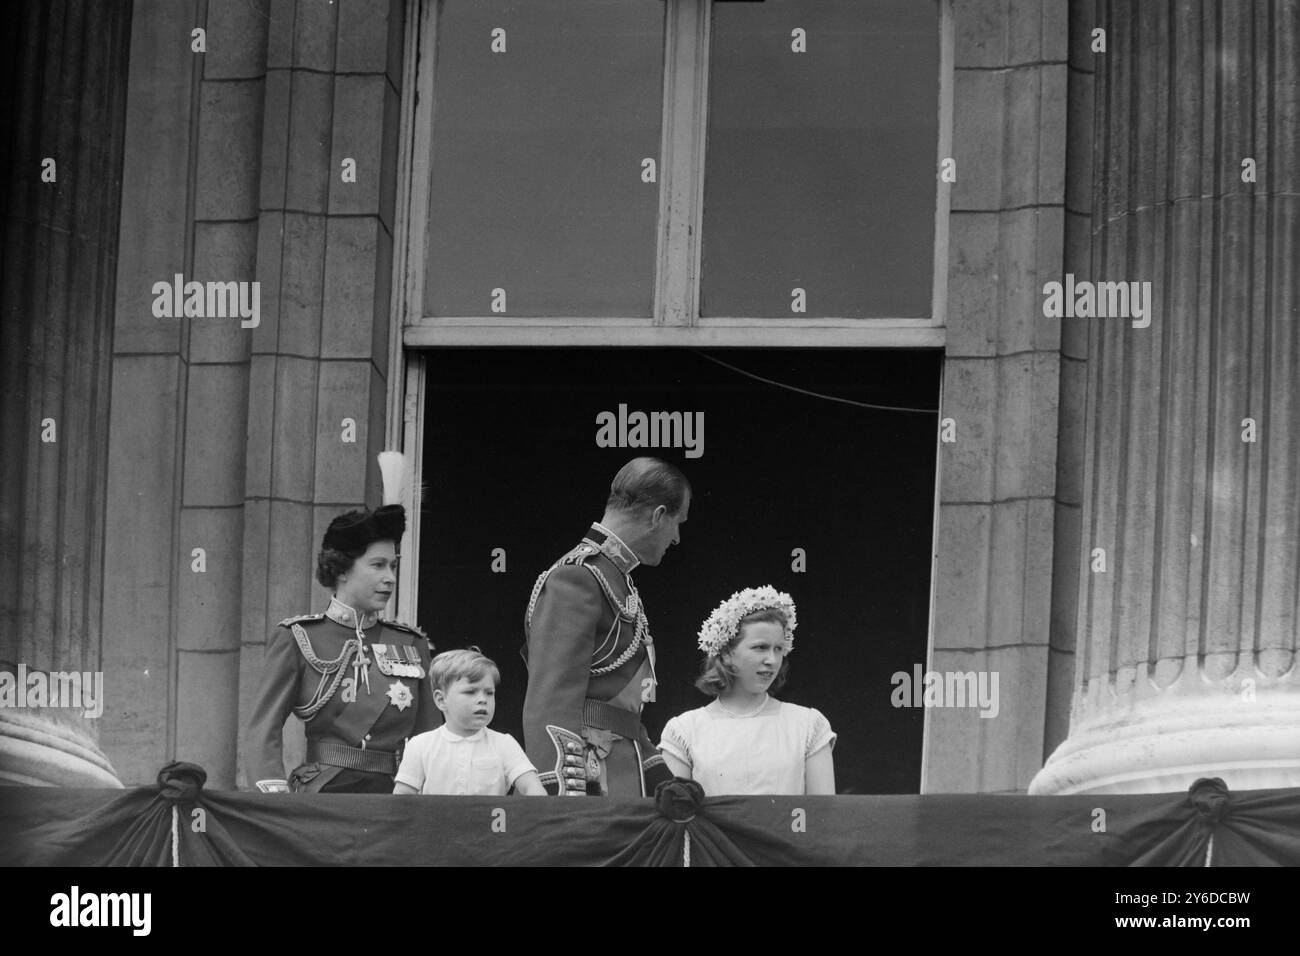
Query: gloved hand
[[575, 770]]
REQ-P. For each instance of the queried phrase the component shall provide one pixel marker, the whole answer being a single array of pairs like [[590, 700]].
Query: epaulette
[[408, 628], [578, 555], [291, 621]]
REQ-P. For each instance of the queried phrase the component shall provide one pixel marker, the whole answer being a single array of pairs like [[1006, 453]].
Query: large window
[[675, 163], [626, 173]]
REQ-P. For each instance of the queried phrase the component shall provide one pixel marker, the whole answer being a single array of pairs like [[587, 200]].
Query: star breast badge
[[400, 695]]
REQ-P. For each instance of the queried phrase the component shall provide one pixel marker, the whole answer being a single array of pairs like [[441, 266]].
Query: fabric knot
[[181, 782], [679, 799], [1209, 796]]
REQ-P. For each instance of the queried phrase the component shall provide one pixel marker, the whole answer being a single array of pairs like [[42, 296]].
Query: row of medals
[[389, 660]]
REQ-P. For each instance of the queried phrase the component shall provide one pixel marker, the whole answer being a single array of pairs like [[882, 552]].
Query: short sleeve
[[411, 770], [819, 733], [513, 758], [674, 743]]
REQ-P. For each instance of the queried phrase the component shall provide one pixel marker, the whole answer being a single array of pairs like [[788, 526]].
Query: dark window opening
[[511, 462]]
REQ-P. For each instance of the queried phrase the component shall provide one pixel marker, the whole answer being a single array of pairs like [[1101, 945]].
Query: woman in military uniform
[[360, 684]]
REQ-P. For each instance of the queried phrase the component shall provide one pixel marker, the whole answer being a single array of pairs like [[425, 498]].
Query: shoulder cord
[[537, 589], [575, 556], [639, 637], [601, 655], [337, 668], [626, 612]]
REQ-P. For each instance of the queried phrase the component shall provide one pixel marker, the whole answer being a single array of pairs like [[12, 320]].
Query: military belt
[[605, 716], [351, 758]]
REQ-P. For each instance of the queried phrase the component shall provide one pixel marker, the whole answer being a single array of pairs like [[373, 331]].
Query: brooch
[[400, 695]]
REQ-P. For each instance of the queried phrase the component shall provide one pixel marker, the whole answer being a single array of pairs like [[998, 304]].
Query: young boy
[[464, 756]]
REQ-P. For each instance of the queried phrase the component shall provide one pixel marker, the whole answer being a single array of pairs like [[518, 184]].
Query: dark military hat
[[357, 530]]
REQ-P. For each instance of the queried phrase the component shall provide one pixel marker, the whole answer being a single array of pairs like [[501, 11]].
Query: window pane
[[537, 157], [821, 169]]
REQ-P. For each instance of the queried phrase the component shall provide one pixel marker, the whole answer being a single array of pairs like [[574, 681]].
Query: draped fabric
[[149, 826], [178, 822]]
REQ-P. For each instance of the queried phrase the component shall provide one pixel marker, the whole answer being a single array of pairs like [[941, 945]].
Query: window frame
[[675, 320]]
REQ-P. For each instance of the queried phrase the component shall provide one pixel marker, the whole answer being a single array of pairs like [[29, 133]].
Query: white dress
[[762, 754]]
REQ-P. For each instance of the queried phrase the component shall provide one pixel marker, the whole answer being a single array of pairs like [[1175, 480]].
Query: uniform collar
[[341, 613], [458, 739], [613, 547]]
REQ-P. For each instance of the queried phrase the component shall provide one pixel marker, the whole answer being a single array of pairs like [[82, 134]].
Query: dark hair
[[647, 483], [717, 676], [331, 562], [358, 529], [350, 535]]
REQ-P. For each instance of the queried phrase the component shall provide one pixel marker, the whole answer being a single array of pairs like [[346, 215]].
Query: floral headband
[[721, 627]]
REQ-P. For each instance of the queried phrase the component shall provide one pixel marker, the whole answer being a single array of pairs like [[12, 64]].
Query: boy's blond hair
[[469, 663]]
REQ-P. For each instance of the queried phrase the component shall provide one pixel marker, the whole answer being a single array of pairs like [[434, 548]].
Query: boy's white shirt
[[442, 762]]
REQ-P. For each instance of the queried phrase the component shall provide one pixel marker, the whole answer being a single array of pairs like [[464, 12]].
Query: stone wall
[[227, 438], [1001, 382]]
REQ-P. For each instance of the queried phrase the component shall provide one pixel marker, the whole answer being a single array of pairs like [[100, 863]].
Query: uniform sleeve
[[674, 743], [411, 771], [819, 733], [561, 641], [264, 742], [513, 758]]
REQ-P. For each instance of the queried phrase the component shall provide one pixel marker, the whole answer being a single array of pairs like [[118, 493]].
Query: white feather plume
[[392, 465]]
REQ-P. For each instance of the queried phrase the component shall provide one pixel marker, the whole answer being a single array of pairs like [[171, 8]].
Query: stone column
[[60, 251], [1186, 635], [1067, 547]]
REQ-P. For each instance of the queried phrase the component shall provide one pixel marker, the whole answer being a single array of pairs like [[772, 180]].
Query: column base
[[37, 752], [1162, 745]]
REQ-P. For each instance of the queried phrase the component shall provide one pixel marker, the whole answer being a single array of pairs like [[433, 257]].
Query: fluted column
[[1187, 632], [62, 152]]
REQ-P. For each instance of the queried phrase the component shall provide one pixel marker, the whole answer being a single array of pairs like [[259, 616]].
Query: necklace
[[752, 713]]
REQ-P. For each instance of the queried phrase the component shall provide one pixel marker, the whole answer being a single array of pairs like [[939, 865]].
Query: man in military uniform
[[588, 646], [360, 684]]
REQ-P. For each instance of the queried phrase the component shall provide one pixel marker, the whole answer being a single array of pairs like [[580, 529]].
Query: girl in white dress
[[746, 741]]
